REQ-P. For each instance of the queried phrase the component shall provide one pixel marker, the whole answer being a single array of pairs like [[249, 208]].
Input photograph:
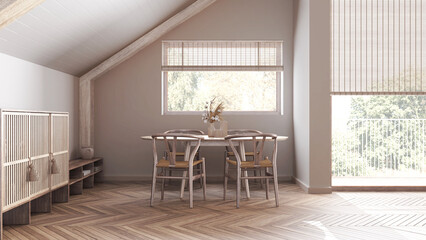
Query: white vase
[[211, 130]]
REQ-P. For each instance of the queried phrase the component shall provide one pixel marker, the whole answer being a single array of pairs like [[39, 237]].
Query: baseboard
[[126, 179], [379, 188], [312, 190], [301, 184], [210, 179]]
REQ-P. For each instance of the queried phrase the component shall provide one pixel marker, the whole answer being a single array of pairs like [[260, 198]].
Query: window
[[246, 76], [378, 50]]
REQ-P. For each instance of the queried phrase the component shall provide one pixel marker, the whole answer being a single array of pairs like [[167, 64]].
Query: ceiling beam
[[87, 80], [16, 9]]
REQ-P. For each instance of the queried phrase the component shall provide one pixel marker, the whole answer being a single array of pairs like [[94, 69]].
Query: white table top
[[218, 141]]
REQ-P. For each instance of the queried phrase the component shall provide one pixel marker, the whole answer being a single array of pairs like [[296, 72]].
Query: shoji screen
[[39, 151], [59, 145], [378, 47], [16, 159]]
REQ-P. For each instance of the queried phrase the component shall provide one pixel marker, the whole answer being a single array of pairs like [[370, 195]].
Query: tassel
[[32, 173], [55, 168]]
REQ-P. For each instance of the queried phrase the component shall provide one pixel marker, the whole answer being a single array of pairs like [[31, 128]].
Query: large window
[[378, 51], [245, 76]]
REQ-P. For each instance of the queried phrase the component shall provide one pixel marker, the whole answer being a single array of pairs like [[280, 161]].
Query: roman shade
[[222, 56], [378, 47]]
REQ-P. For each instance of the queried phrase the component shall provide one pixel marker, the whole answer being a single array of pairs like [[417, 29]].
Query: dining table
[[217, 142]]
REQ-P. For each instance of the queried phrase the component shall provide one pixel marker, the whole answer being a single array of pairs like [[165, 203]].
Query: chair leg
[[182, 186], [204, 179], [170, 180], [267, 184], [225, 180], [246, 181], [261, 180], [191, 183], [163, 173], [200, 168], [277, 201], [238, 186], [154, 174]]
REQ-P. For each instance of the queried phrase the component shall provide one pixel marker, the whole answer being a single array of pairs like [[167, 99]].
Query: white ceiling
[[75, 36]]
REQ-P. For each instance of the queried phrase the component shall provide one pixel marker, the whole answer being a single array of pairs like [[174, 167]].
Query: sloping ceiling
[[75, 36]]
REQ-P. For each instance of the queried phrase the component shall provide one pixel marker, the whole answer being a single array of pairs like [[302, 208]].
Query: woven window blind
[[378, 47], [222, 56]]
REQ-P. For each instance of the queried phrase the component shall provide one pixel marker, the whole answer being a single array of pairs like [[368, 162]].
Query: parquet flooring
[[121, 211]]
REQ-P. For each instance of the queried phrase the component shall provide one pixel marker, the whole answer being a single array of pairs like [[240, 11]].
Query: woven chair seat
[[250, 164], [247, 154], [163, 163]]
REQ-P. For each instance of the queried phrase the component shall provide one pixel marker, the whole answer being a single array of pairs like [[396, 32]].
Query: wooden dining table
[[218, 142]]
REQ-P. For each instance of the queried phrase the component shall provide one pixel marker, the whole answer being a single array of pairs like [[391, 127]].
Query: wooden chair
[[182, 153], [229, 153], [172, 164], [259, 163]]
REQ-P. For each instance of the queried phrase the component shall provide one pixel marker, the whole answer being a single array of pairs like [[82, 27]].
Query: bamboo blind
[[378, 47], [222, 56]]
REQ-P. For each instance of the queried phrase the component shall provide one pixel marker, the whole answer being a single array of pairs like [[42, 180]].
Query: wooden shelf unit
[[78, 180]]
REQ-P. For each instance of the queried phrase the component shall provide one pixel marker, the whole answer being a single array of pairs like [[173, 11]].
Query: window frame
[[279, 82]]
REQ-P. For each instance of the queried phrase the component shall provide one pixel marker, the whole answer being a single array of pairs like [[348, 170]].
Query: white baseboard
[[312, 190], [301, 184]]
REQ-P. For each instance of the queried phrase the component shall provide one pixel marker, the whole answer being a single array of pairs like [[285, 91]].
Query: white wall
[[301, 90], [28, 86], [312, 103], [128, 98]]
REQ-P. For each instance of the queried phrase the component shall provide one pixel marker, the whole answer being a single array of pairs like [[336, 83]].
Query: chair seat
[[179, 164], [250, 164], [247, 154]]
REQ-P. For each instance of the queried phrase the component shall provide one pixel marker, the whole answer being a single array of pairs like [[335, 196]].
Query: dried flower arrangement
[[212, 114]]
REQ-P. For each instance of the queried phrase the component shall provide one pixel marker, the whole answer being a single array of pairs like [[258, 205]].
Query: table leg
[[246, 181]]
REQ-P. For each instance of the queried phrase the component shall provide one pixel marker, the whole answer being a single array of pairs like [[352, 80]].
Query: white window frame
[[279, 97]]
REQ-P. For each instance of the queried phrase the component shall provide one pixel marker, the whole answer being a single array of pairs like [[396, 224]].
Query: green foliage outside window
[[385, 136]]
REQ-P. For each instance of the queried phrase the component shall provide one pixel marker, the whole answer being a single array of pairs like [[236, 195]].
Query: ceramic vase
[[87, 153]]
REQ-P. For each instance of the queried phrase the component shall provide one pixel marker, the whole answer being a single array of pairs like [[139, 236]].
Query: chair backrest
[[242, 131], [258, 140], [170, 142], [186, 131]]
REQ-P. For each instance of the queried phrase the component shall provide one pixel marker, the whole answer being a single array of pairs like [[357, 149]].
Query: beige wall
[[320, 100], [312, 102], [128, 98], [28, 86]]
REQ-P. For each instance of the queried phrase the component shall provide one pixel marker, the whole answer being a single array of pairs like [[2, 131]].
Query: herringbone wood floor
[[121, 211]]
